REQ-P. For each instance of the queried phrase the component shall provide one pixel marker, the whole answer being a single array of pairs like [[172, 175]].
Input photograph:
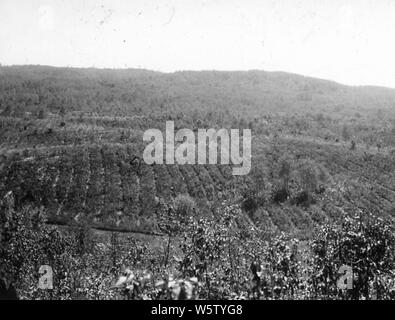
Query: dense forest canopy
[[254, 92]]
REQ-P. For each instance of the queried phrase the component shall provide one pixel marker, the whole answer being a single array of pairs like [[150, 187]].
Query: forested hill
[[70, 142], [112, 91]]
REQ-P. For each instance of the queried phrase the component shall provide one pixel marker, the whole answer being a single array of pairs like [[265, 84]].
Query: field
[[71, 145]]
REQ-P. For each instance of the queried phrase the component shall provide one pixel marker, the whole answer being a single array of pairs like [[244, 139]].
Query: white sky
[[352, 42]]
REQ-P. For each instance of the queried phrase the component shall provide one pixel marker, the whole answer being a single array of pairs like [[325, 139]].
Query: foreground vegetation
[[223, 258], [77, 196]]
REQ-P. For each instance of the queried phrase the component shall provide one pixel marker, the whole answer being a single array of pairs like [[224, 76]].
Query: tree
[[184, 205], [285, 173], [346, 133], [170, 222], [368, 247], [353, 145], [62, 111], [41, 113], [311, 176]]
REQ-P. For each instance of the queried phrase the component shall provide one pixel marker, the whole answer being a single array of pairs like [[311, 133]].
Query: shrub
[[368, 247], [312, 176], [184, 205], [280, 196]]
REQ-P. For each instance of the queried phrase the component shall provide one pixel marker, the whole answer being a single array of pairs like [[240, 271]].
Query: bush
[[223, 258], [249, 205], [366, 246], [312, 176], [184, 205], [280, 196]]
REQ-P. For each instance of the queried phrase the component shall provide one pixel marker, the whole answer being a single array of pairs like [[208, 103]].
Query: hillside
[[71, 141], [128, 90]]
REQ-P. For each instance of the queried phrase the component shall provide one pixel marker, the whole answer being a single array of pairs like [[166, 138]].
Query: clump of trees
[[313, 178], [284, 175], [307, 176], [82, 268], [184, 205], [229, 259], [222, 258], [366, 245]]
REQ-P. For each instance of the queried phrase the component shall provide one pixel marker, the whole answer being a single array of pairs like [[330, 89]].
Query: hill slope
[[71, 141]]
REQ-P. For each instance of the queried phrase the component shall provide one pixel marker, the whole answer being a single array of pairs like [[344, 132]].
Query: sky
[[348, 41]]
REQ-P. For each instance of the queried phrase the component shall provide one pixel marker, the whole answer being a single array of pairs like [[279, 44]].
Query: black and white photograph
[[206, 150]]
